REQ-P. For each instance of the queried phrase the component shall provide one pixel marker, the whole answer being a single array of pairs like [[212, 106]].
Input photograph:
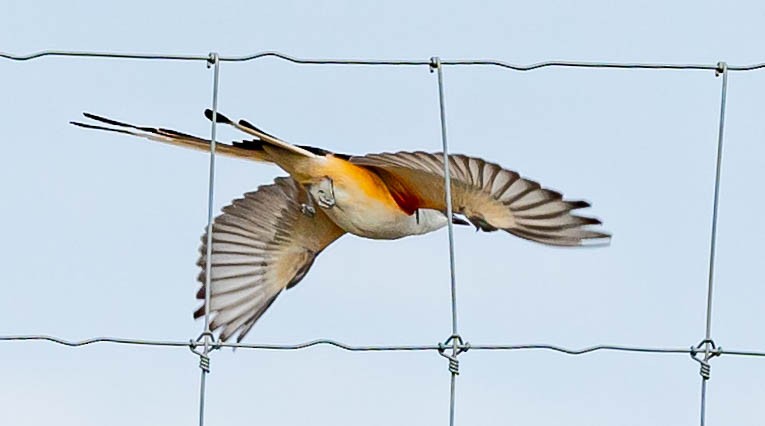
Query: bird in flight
[[267, 241]]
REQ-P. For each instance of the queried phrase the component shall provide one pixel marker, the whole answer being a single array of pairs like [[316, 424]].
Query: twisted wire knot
[[206, 341], [435, 63], [705, 369], [722, 67], [212, 59], [458, 346], [454, 365], [204, 363]]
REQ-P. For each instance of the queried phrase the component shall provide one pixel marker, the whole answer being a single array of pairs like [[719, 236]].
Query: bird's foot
[[308, 210]]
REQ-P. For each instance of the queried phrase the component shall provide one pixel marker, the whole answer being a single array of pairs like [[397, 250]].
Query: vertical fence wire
[[722, 68], [213, 61], [435, 64], [447, 191]]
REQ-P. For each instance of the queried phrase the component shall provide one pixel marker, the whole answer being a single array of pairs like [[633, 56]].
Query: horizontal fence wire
[[384, 62], [384, 348]]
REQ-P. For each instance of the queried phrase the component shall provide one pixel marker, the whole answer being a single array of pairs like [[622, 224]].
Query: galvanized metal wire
[[204, 357], [206, 342], [722, 69], [688, 350], [383, 62], [435, 64]]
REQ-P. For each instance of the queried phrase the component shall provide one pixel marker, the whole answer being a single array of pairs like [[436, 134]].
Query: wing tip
[[604, 240], [200, 312], [586, 237]]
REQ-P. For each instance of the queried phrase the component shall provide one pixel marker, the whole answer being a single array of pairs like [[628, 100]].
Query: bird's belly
[[362, 206], [370, 219]]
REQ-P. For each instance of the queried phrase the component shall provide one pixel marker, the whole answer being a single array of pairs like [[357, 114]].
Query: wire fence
[[454, 345]]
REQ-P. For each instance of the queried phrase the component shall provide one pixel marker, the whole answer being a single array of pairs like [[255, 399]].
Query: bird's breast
[[359, 202], [361, 213]]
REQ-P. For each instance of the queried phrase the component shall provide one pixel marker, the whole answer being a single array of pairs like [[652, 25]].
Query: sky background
[[101, 231]]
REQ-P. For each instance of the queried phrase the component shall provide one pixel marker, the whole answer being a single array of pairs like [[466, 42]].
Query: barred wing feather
[[261, 244], [490, 196]]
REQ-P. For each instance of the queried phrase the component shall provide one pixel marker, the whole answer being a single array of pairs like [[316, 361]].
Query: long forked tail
[[262, 137], [247, 149], [302, 162], [252, 149]]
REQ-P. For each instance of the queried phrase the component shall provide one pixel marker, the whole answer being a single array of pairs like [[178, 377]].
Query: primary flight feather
[[266, 242]]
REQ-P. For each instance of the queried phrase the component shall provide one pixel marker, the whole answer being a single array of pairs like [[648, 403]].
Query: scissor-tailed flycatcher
[[267, 241]]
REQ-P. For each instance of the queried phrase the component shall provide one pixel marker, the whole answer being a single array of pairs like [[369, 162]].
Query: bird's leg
[[417, 216], [326, 193], [307, 207]]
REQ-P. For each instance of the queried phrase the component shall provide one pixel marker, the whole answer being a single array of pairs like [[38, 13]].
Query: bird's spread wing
[[489, 196], [261, 244]]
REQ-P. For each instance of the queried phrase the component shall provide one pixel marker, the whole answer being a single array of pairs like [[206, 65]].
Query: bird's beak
[[459, 221]]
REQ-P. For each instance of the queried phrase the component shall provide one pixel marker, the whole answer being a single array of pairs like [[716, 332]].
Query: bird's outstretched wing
[[261, 244], [489, 196]]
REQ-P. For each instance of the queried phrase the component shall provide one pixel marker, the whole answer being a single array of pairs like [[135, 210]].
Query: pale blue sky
[[101, 231]]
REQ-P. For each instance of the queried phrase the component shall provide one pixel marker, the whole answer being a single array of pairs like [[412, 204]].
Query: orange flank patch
[[373, 183]]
